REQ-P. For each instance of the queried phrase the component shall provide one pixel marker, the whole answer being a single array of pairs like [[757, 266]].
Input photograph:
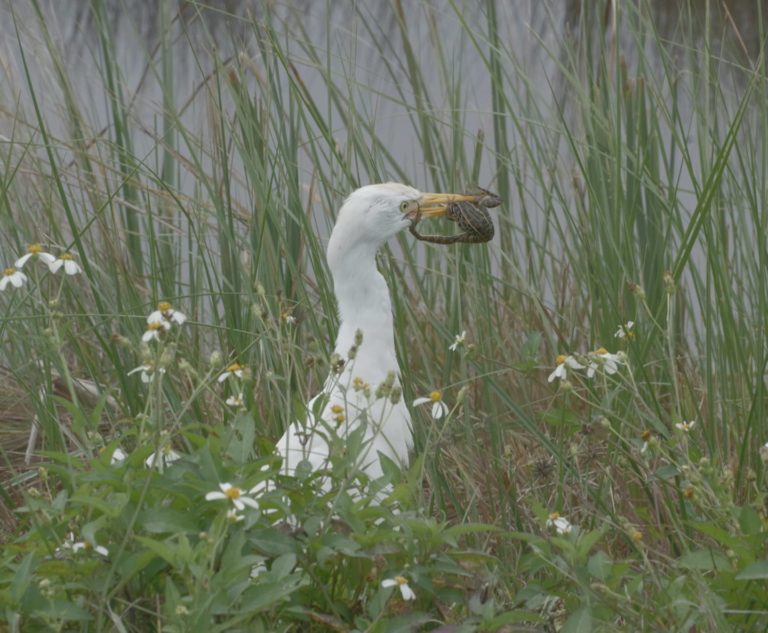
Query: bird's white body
[[369, 217]]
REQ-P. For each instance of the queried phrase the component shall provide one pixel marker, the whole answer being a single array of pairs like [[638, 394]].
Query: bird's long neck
[[364, 304]]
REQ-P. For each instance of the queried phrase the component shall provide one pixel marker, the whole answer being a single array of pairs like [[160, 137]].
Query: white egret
[[352, 415]]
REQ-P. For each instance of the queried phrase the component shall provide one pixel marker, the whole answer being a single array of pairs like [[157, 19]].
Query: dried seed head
[[120, 340], [358, 337], [337, 363], [636, 290]]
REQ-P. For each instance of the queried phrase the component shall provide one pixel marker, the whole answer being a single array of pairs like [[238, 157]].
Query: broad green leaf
[[749, 521], [579, 622], [755, 571], [600, 565], [704, 560], [271, 542], [166, 520], [667, 472]]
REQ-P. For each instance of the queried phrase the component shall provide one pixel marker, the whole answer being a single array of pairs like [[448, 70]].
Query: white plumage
[[368, 218]]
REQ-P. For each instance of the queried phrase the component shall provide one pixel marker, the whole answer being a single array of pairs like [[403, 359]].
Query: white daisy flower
[[35, 250], [166, 315], [13, 276], [685, 427], [439, 408], [235, 495], [69, 544], [626, 331], [601, 358], [118, 456], [458, 341], [646, 436], [233, 516], [71, 267], [564, 363], [147, 372], [155, 330], [235, 401], [162, 458], [402, 582], [561, 524], [233, 369]]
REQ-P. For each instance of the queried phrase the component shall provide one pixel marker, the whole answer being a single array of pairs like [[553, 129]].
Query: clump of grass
[[627, 493]]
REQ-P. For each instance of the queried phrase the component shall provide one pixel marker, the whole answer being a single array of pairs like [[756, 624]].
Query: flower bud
[[669, 282]]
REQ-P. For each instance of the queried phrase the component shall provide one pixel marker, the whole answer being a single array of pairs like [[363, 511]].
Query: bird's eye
[[404, 206]]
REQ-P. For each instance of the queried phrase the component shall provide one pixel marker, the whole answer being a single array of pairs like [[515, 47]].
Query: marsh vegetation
[[595, 456]]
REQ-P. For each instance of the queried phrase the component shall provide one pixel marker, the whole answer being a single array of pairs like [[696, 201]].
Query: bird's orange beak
[[435, 205]]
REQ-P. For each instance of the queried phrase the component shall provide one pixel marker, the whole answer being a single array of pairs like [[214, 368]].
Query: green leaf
[[166, 520], [511, 617], [749, 521], [667, 472], [704, 560], [560, 417], [600, 565], [717, 533], [283, 565], [266, 594], [241, 438], [67, 611], [22, 578], [134, 563], [470, 528], [579, 622], [161, 549], [755, 571], [112, 506], [588, 540], [271, 542]]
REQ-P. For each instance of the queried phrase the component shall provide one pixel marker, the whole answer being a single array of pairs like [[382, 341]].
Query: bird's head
[[374, 213]]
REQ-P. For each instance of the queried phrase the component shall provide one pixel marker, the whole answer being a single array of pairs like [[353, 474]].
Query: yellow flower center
[[435, 396], [337, 408], [233, 492], [155, 325], [232, 368], [637, 535], [560, 359], [645, 436], [35, 249], [163, 306], [554, 516], [66, 257], [601, 351], [401, 580], [9, 271]]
